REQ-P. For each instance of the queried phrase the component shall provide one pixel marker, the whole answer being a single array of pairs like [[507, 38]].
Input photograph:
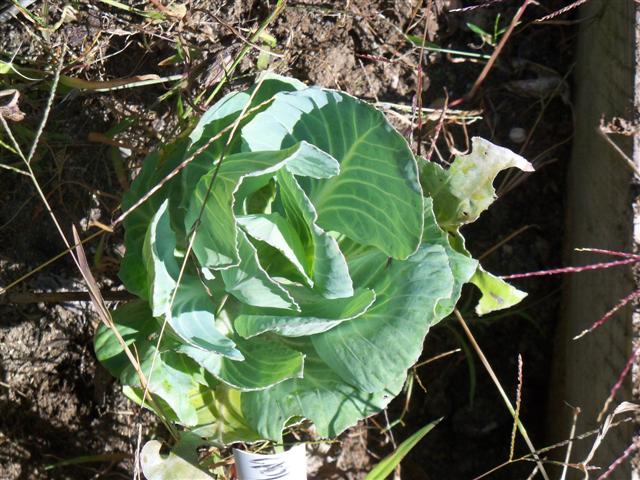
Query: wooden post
[[600, 213]]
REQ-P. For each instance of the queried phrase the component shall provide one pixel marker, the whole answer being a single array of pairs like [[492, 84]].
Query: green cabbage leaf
[[293, 266]]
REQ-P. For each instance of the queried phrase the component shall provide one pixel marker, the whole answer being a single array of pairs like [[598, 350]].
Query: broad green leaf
[[181, 462], [315, 269], [169, 376], [461, 193], [386, 467], [266, 362], [172, 376], [274, 230], [134, 322], [496, 293], [250, 283], [321, 396], [222, 115], [376, 200], [157, 166], [372, 350], [316, 315], [330, 272], [272, 83], [462, 266], [220, 417], [191, 311], [212, 204]]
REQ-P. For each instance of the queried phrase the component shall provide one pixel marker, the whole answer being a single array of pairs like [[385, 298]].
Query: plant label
[[290, 465]]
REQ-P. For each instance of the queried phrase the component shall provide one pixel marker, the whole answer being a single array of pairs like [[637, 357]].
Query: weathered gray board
[[600, 206]]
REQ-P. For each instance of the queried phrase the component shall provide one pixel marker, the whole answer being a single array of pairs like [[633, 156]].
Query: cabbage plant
[[293, 267]]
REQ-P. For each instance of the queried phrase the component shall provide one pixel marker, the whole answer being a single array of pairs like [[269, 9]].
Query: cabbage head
[[294, 266]]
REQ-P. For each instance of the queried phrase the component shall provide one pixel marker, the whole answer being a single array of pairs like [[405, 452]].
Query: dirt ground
[[57, 405]]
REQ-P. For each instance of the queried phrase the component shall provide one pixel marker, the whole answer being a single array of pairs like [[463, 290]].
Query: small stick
[[24, 298], [494, 55], [630, 163], [420, 77]]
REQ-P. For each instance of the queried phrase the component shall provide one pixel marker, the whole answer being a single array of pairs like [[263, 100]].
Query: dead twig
[[23, 298], [494, 56]]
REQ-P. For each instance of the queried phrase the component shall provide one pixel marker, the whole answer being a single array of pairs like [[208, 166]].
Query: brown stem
[[61, 297]]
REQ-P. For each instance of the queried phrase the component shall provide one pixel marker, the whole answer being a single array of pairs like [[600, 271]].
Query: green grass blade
[[386, 466]]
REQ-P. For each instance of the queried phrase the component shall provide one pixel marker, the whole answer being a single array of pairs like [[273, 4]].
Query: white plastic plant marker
[[290, 465]]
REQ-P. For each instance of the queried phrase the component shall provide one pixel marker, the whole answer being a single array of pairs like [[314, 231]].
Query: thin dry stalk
[[437, 357], [558, 271], [624, 407], [562, 11], [517, 414], [623, 374], [598, 323], [552, 447], [47, 110], [608, 252], [436, 134], [572, 433], [23, 298], [630, 163], [504, 396], [505, 240], [496, 53], [486, 3], [628, 451], [420, 77], [43, 265]]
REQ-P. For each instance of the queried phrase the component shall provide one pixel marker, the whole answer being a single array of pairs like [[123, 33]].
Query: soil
[[58, 405]]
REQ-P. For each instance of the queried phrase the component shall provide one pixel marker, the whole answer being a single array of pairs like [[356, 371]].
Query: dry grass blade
[[628, 451], [496, 53], [43, 265], [504, 396], [47, 110], [105, 316], [624, 407], [625, 371], [572, 433], [598, 323], [503, 241], [562, 11], [630, 163], [517, 413]]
